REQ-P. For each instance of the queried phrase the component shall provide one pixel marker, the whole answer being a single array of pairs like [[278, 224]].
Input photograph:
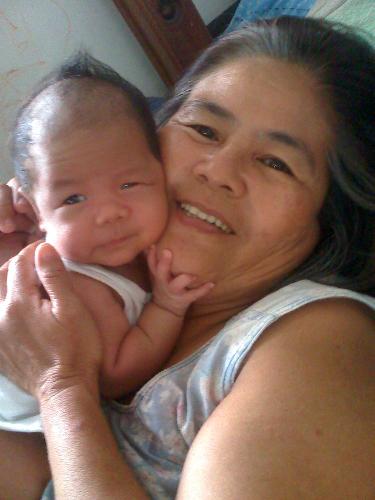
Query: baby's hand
[[172, 292]]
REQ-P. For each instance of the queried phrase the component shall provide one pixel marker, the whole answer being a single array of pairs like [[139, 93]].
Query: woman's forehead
[[269, 78], [266, 93]]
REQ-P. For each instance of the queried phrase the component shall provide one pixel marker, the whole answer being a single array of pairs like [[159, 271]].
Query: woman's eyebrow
[[294, 142], [211, 107], [274, 135]]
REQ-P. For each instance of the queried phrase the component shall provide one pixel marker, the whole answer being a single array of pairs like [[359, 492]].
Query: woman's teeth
[[211, 219]]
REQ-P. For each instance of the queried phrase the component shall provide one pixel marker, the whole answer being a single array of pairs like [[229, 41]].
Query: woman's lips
[[202, 219]]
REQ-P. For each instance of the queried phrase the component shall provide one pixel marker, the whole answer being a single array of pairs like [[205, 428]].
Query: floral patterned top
[[155, 431]]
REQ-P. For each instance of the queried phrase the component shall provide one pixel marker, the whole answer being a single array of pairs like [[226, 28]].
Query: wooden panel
[[171, 32]]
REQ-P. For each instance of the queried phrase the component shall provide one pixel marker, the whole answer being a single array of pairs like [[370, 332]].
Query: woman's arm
[[59, 363], [84, 458], [300, 420]]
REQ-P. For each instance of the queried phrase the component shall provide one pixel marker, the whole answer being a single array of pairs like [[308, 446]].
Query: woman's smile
[[202, 218]]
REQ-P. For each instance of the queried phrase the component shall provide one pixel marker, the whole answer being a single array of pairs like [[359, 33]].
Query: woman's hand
[[17, 221], [51, 347], [46, 344]]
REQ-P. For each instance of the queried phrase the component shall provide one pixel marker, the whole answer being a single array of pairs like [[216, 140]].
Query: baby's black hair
[[77, 81]]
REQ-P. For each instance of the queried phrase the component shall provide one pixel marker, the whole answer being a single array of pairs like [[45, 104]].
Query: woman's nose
[[111, 212], [222, 170]]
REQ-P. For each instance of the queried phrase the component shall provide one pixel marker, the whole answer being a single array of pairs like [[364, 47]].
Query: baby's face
[[100, 193]]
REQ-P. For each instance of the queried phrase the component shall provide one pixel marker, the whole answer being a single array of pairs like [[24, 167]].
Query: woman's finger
[[7, 212], [23, 206], [11, 244], [22, 280], [55, 279], [3, 281], [17, 222], [16, 213]]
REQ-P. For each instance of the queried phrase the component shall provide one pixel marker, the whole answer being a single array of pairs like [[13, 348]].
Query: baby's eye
[[205, 131], [74, 199], [276, 164], [128, 185]]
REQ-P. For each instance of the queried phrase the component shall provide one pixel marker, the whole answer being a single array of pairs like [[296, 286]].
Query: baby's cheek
[[68, 242], [160, 221]]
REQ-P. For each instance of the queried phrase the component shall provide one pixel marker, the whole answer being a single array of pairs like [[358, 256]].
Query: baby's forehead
[[79, 153], [73, 104]]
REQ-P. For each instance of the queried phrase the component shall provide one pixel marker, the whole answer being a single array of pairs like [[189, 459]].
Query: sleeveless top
[[132, 295], [156, 429]]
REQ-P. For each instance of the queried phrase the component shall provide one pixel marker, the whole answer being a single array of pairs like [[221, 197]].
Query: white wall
[[209, 9], [36, 35]]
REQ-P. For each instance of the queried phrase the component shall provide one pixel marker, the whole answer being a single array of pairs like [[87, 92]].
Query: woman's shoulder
[[302, 406], [314, 306], [325, 348], [301, 293], [333, 324], [325, 321], [301, 306]]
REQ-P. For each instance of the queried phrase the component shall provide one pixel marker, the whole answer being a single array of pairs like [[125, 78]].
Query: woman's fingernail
[[7, 226]]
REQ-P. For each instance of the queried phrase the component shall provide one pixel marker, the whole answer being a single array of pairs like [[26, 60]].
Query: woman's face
[[245, 159]]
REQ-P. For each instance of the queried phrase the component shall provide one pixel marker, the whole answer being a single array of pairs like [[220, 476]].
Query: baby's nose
[[111, 213]]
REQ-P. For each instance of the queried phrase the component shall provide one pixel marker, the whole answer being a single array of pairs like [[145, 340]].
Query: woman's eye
[[74, 199], [276, 164], [204, 131], [128, 185]]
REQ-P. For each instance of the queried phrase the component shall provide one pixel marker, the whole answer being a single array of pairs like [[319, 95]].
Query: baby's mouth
[[197, 213]]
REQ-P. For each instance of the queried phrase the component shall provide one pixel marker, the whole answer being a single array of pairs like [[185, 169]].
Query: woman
[[267, 146]]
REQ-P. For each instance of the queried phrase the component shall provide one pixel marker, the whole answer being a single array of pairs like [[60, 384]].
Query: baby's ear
[[24, 204]]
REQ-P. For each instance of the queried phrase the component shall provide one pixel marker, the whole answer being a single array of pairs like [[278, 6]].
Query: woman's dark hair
[[77, 76], [343, 64]]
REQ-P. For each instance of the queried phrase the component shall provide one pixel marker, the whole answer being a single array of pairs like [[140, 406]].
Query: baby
[[86, 155]]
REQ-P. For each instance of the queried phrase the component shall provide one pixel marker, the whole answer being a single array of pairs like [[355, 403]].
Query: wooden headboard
[[163, 28]]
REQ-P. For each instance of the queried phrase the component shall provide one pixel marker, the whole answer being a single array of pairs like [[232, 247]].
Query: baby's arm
[[128, 354], [133, 354], [147, 345]]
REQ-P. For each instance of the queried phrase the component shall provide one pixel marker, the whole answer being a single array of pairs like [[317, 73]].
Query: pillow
[[358, 13], [250, 10]]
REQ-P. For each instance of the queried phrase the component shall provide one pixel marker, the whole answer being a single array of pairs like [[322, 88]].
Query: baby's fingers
[[163, 266], [198, 293], [181, 282]]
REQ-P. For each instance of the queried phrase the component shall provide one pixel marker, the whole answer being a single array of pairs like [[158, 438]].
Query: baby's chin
[[76, 255], [114, 258], [105, 262]]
